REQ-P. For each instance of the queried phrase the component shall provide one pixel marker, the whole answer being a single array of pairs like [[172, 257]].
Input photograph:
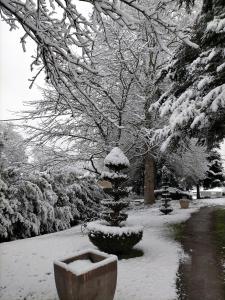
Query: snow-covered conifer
[[195, 102], [111, 234], [116, 162], [215, 174]]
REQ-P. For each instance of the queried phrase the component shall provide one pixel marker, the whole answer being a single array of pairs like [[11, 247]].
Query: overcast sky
[[15, 72], [15, 68]]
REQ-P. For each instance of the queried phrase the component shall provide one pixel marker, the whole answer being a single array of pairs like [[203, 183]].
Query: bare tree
[[191, 164], [101, 101], [12, 148], [64, 37]]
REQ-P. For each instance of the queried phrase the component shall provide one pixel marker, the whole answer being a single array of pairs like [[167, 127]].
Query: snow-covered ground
[[26, 266], [216, 192]]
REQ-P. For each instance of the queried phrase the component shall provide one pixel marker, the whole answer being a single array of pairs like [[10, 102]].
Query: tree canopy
[[65, 38]]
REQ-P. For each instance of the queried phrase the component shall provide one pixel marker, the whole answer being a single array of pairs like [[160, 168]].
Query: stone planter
[[111, 239], [89, 275], [184, 203]]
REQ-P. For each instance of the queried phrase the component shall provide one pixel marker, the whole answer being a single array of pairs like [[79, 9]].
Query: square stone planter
[[89, 275], [184, 203]]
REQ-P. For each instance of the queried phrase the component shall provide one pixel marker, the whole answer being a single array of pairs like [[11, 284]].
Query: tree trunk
[[198, 191], [149, 181]]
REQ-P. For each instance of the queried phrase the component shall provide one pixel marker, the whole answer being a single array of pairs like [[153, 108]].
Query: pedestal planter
[[184, 203], [111, 236], [165, 196], [89, 275], [112, 239], [166, 210]]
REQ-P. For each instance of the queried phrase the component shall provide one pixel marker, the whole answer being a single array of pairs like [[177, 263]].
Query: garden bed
[[139, 278]]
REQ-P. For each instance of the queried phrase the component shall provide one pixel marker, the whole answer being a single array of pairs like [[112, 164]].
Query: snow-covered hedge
[[40, 203]]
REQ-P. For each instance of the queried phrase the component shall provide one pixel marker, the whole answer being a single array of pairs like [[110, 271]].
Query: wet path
[[201, 277]]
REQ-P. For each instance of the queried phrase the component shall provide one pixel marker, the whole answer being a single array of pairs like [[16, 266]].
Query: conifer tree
[[116, 162], [195, 102], [215, 174], [113, 236]]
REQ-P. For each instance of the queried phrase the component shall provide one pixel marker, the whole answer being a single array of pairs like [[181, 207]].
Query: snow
[[173, 190], [81, 266], [27, 265], [213, 94], [188, 42], [203, 82], [212, 54], [217, 25], [220, 68], [113, 175], [113, 230], [116, 157], [213, 193]]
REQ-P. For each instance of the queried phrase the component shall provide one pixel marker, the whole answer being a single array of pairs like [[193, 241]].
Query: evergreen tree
[[166, 208], [195, 102], [215, 174], [116, 162], [110, 234]]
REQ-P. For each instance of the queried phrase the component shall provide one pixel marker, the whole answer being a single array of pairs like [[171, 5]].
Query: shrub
[[41, 202]]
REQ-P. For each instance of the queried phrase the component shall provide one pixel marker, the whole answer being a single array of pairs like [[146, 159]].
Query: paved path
[[201, 277]]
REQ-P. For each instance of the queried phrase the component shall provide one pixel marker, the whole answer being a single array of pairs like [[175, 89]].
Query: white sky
[[15, 69], [15, 72]]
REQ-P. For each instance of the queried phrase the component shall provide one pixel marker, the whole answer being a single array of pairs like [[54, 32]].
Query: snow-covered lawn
[[26, 266]]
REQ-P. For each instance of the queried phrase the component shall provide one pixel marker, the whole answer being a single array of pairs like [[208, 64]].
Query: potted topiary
[[166, 207], [110, 234]]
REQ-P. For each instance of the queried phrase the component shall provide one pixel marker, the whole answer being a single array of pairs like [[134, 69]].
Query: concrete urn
[[89, 275]]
